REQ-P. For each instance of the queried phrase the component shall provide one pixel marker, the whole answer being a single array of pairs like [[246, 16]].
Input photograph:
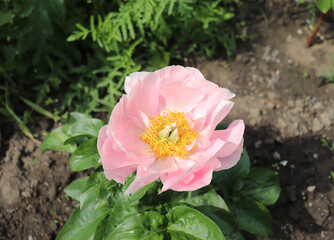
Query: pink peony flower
[[164, 127]]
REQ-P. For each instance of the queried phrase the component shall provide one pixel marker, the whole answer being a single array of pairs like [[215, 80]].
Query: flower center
[[170, 135]]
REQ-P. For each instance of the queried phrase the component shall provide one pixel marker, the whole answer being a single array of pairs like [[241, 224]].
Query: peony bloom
[[164, 127]]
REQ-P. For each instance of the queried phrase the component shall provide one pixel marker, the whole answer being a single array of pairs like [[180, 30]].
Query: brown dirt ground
[[286, 114]]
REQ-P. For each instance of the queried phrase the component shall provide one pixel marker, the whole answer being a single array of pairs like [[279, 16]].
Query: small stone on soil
[[316, 125], [277, 156], [325, 119], [311, 188], [284, 163]]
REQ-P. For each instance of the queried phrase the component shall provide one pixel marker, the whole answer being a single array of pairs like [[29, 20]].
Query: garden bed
[[286, 107]]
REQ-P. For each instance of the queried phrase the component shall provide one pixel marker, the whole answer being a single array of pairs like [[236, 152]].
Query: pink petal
[[232, 159], [132, 80], [142, 179], [203, 113], [126, 132], [230, 154], [163, 165], [188, 178], [201, 178], [119, 174], [116, 159], [212, 120], [197, 160], [232, 136], [174, 73], [207, 87], [185, 99], [145, 98], [145, 119], [101, 138]]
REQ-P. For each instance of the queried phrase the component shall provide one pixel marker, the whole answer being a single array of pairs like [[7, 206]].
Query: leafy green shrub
[[41, 51], [235, 200]]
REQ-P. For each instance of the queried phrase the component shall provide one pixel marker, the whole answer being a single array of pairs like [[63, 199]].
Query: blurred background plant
[[329, 73], [325, 7], [65, 55]]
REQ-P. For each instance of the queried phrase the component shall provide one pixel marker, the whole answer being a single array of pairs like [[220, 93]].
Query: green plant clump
[[80, 52], [235, 200]]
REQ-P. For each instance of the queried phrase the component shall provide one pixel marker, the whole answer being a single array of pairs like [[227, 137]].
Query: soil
[[280, 93]]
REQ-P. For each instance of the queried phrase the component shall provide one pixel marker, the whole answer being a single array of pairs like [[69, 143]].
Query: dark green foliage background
[[79, 52]]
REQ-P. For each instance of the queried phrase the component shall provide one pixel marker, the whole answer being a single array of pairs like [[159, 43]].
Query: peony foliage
[[235, 200], [164, 168]]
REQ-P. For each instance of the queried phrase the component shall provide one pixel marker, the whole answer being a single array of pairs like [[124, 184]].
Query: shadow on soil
[[304, 206]]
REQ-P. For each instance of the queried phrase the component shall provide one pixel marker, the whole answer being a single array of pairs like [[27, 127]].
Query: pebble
[[29, 237], [26, 193], [317, 105], [331, 116], [317, 125], [277, 156], [311, 188], [281, 123], [325, 119], [284, 163], [258, 144], [10, 210], [299, 32], [275, 54], [255, 77], [288, 38], [267, 49]]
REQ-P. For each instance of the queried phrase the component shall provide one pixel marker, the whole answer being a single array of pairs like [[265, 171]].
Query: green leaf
[[76, 116], [85, 156], [147, 225], [324, 5], [98, 187], [5, 18], [251, 216], [263, 185], [84, 128], [83, 223], [231, 180], [188, 223], [228, 15], [74, 188], [222, 218], [91, 189], [38, 109], [101, 228], [118, 215], [56, 141], [119, 196], [62, 129], [201, 197], [235, 236]]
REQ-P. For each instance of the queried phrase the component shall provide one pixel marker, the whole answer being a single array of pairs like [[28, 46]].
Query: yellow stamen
[[169, 135]]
